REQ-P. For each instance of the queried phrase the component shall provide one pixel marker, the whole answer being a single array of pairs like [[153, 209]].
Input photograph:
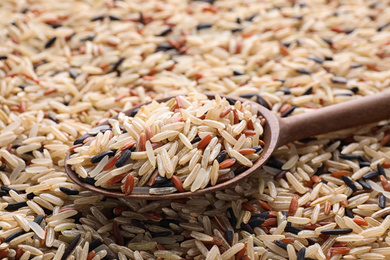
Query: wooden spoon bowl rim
[[270, 137]]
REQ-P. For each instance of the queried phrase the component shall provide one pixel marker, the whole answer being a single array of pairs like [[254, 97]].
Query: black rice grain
[[70, 247], [81, 139], [88, 180], [3, 57], [370, 175], [236, 30], [250, 18], [135, 111], [263, 215], [69, 191], [262, 102], [8, 189], [337, 231], [256, 221], [381, 201], [304, 71], [72, 74], [328, 41], [203, 26], [308, 91], [281, 244], [30, 195], [231, 217], [16, 205], [221, 156], [364, 164], [349, 156], [230, 101], [165, 32], [289, 111], [355, 66], [100, 156], [229, 236], [50, 42], [382, 27], [349, 182], [114, 18], [162, 234], [161, 180], [247, 95], [247, 228], [258, 148], [163, 185], [196, 139], [165, 222], [89, 38], [97, 18], [77, 218], [339, 80], [381, 171], [344, 95], [259, 99], [123, 159], [292, 229], [364, 184], [354, 90], [237, 73], [38, 219], [139, 223], [319, 61], [53, 118], [301, 254], [54, 25], [240, 170], [47, 211], [94, 244], [272, 162], [14, 235], [328, 58], [348, 213], [164, 47], [285, 91], [117, 64]]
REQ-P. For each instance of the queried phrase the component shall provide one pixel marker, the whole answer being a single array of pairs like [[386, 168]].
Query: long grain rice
[[65, 66]]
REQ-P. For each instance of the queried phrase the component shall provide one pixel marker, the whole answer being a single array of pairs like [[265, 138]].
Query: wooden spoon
[[277, 132]]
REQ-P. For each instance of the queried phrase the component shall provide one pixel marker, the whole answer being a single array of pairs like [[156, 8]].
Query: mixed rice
[[66, 66], [185, 143]]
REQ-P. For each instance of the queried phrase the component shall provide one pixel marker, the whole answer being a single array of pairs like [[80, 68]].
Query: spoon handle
[[344, 115]]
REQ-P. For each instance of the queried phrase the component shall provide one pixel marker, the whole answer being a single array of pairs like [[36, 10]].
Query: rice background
[[67, 65]]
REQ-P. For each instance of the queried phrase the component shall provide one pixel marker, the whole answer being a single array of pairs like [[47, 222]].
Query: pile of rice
[[185, 143], [66, 66]]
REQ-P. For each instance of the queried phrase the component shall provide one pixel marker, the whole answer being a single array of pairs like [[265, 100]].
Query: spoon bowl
[[277, 132]]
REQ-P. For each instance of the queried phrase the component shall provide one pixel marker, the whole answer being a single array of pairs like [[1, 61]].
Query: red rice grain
[[227, 163], [129, 184]]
